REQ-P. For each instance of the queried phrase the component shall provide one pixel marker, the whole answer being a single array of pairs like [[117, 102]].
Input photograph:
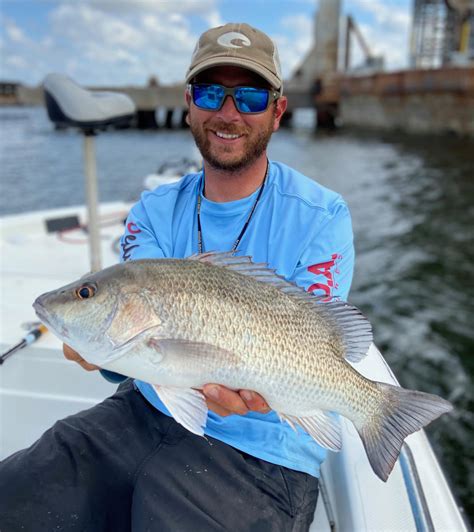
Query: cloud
[[108, 42], [387, 14], [100, 47], [393, 47], [84, 24], [386, 29], [213, 19], [16, 61], [17, 51], [124, 42], [385, 26], [294, 41], [157, 6], [13, 32]]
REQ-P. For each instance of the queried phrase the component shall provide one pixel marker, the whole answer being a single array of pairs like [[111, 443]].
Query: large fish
[[182, 323]]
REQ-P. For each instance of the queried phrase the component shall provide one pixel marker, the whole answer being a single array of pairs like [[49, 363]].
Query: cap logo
[[234, 39]]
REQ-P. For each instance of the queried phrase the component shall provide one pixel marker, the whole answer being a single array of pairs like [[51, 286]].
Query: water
[[412, 203]]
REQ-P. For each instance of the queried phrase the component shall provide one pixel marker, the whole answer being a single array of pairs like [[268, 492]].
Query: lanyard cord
[[244, 228]]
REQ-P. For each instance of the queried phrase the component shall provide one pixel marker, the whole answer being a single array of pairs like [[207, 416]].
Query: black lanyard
[[244, 228]]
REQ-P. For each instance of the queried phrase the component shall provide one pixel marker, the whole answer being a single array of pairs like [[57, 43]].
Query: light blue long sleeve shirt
[[300, 228]]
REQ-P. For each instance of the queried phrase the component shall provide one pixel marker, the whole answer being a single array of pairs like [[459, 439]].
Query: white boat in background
[[43, 250], [170, 172]]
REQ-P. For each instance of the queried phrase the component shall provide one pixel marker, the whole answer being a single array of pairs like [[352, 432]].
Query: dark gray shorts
[[122, 465]]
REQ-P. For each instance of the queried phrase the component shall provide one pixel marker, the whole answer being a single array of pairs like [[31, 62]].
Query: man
[[126, 464]]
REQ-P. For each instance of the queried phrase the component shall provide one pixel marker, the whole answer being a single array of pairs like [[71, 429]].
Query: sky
[[125, 42]]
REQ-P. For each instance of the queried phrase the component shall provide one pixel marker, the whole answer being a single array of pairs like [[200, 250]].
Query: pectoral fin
[[322, 427], [187, 406]]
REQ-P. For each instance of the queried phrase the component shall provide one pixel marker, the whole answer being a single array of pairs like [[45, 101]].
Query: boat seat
[[68, 104]]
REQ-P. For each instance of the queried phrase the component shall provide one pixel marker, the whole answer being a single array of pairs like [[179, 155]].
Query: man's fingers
[[74, 356], [88, 367], [254, 401], [225, 402], [217, 408], [225, 399], [70, 354]]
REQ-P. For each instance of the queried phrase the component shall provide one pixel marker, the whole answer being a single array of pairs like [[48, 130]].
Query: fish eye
[[86, 291]]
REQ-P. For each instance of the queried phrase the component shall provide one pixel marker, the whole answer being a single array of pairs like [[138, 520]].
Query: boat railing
[[415, 492]]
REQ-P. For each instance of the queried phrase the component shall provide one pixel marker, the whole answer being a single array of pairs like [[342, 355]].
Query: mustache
[[225, 127]]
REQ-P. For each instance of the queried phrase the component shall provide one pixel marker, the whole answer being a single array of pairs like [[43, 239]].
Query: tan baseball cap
[[237, 44]]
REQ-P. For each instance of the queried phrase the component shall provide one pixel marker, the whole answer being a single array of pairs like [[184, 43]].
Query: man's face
[[250, 132]]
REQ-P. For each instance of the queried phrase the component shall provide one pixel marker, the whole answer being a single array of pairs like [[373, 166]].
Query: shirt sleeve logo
[[128, 240], [326, 270]]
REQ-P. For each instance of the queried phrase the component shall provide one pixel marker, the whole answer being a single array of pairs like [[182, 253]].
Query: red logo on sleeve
[[128, 240], [132, 228], [327, 270]]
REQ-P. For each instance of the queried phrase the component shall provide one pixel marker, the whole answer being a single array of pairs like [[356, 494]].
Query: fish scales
[[182, 323], [269, 331]]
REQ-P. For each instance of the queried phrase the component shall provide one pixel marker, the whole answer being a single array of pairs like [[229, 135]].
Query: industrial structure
[[436, 94], [442, 33]]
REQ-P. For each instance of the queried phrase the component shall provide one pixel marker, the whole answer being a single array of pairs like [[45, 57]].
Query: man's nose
[[228, 109]]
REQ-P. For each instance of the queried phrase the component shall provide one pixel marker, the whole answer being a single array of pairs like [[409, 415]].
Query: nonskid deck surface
[[38, 386]]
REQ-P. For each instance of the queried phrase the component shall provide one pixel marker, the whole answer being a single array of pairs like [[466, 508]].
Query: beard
[[221, 158]]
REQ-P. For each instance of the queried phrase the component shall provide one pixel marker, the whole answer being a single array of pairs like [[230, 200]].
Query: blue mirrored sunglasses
[[211, 97]]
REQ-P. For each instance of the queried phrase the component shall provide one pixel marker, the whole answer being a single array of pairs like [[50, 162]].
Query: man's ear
[[187, 97], [281, 105]]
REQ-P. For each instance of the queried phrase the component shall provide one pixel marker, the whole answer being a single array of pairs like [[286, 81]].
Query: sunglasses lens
[[251, 100], [208, 96], [247, 99]]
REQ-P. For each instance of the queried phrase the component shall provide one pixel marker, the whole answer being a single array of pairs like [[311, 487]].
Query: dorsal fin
[[354, 328]]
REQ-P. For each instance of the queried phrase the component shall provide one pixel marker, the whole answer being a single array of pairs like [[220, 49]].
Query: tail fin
[[402, 412]]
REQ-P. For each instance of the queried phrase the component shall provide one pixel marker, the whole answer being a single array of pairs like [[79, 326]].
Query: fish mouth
[[47, 318], [41, 312]]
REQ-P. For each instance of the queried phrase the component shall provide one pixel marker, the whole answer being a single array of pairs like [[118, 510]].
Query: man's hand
[[219, 399], [70, 354], [225, 402]]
